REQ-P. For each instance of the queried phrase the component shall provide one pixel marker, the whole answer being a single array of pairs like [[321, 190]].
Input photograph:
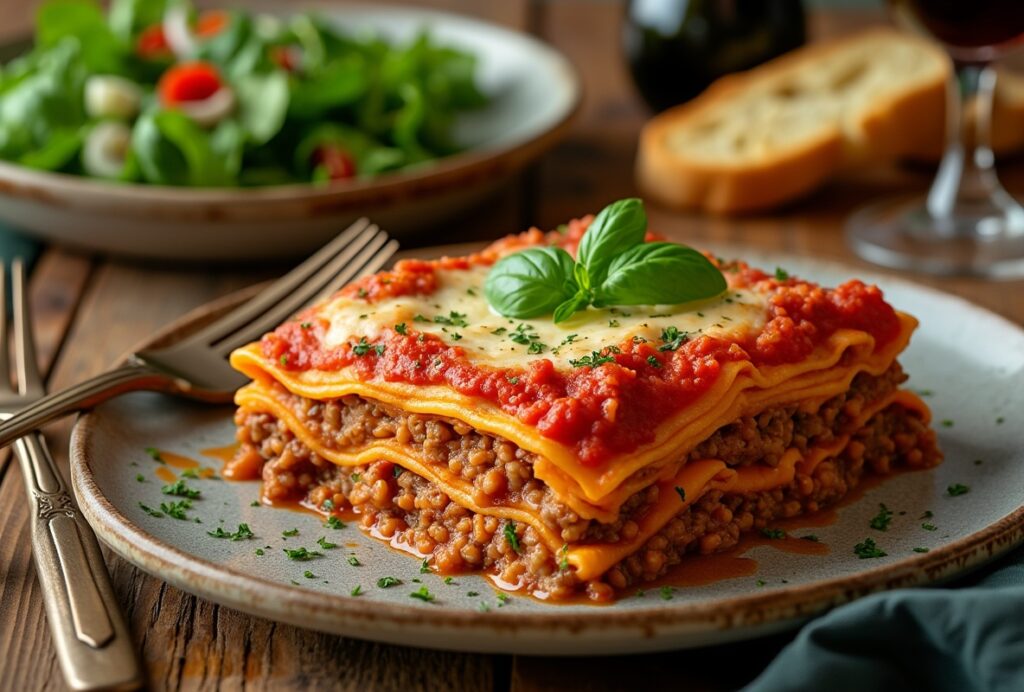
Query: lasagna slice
[[586, 456]]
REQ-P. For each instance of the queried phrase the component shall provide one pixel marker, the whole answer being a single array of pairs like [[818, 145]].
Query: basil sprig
[[614, 266]]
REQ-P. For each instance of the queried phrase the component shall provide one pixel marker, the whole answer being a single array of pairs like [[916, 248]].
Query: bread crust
[[903, 124]]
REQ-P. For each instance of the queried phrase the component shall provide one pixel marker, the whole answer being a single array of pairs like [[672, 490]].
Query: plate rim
[[658, 627], [22, 181]]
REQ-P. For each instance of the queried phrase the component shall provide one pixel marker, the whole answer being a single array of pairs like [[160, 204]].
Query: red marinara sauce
[[600, 411]]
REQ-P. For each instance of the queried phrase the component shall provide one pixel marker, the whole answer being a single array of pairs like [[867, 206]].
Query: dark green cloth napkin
[[959, 639], [13, 244]]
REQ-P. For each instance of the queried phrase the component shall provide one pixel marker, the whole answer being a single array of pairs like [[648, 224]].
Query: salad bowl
[[532, 94]]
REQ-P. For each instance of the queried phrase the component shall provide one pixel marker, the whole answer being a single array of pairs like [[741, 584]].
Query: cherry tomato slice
[[335, 160], [190, 81]]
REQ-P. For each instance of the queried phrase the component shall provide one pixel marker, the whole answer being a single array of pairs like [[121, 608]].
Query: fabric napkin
[[961, 638], [13, 245]]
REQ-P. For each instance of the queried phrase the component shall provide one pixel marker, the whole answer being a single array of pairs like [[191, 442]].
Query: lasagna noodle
[[597, 492], [590, 561]]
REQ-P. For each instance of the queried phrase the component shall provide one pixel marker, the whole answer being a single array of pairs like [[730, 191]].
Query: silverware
[[196, 367], [93, 644]]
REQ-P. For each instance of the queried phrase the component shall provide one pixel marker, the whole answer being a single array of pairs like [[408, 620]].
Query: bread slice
[[761, 138]]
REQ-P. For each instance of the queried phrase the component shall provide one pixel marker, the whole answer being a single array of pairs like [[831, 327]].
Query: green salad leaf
[[614, 266]]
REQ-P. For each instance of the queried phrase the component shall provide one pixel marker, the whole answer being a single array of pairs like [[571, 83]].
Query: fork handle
[[125, 378], [92, 640]]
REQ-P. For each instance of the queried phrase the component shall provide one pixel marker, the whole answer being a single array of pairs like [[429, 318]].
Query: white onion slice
[[105, 149], [178, 33], [110, 96], [210, 110]]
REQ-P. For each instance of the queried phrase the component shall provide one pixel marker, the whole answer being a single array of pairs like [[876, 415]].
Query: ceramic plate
[[967, 361], [534, 94]]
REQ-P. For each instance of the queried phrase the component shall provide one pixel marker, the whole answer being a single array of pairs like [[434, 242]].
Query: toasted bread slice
[[761, 138]]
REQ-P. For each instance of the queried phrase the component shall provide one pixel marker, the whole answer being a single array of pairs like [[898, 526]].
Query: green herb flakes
[[868, 550]]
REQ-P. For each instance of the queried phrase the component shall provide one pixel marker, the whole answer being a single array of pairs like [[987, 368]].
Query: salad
[[157, 92]]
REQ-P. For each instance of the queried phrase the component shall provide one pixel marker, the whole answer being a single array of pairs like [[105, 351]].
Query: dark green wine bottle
[[676, 48]]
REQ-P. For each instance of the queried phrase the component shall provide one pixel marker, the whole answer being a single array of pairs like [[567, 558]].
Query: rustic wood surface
[[90, 310]]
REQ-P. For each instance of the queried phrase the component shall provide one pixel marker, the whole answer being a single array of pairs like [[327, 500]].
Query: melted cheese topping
[[458, 313]]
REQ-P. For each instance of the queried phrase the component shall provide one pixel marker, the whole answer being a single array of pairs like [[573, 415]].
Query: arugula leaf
[[171, 149], [263, 104], [83, 21], [129, 16], [59, 150], [616, 229], [659, 273], [339, 83], [530, 283]]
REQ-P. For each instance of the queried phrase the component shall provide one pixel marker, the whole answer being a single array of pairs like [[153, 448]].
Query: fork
[[93, 643], [196, 366]]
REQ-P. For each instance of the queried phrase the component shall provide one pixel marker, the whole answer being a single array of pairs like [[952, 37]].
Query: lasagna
[[586, 456]]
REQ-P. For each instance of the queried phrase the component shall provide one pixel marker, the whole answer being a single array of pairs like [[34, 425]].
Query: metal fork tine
[[338, 273], [292, 283], [5, 363], [29, 379], [376, 264]]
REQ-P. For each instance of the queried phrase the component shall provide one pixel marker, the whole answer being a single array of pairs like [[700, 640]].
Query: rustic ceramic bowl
[[534, 91]]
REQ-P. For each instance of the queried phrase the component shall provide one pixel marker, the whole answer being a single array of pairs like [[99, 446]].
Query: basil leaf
[[566, 309], [530, 283], [263, 104], [657, 274], [616, 229]]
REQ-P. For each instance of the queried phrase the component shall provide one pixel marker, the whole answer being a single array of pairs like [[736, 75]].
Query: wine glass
[[967, 224]]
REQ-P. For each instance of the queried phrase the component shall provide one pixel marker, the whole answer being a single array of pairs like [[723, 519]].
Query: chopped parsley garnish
[[388, 582], [325, 544], [868, 549], [761, 582], [362, 348], [595, 358], [774, 534], [503, 598], [666, 593], [781, 274], [154, 454], [653, 362], [449, 581], [334, 523], [420, 318], [243, 532], [301, 554], [929, 527], [499, 331], [568, 339], [511, 537], [920, 550], [356, 591], [354, 561], [422, 594], [379, 349], [536, 347], [947, 423], [289, 533], [308, 575], [483, 607], [255, 503], [881, 521], [400, 328], [673, 339], [328, 505], [397, 471], [513, 380], [305, 325], [524, 334], [613, 323], [176, 510], [563, 557], [472, 594], [362, 292], [180, 489], [150, 511], [425, 567], [810, 537], [355, 477], [927, 514], [283, 359], [1000, 420], [260, 552], [140, 478], [681, 492], [957, 489]]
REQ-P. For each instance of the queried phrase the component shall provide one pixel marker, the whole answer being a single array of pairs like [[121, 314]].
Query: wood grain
[[90, 311]]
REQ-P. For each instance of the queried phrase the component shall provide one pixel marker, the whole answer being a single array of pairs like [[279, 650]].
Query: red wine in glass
[[967, 223]]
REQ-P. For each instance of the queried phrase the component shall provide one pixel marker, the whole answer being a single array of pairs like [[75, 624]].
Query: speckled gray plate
[[971, 360]]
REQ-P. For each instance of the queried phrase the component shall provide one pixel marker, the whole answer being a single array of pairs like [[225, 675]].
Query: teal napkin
[[13, 244], [958, 639]]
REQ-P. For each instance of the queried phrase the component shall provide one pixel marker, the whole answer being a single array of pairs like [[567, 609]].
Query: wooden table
[[92, 309]]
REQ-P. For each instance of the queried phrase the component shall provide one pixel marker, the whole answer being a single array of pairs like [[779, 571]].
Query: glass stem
[[966, 181]]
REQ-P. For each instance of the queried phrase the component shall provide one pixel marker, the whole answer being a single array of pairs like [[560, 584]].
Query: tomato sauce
[[599, 411]]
